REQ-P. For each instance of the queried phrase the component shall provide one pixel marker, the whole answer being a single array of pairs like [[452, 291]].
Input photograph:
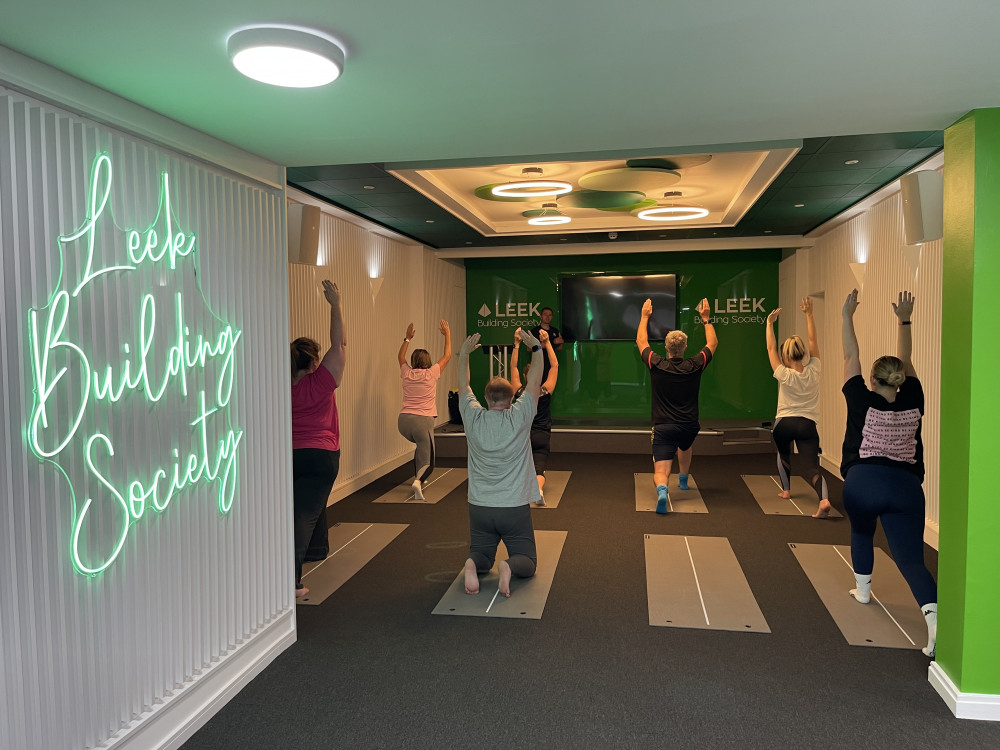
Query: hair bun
[[896, 379]]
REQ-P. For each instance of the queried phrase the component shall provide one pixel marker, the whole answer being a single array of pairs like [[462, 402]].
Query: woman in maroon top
[[315, 432], [882, 462]]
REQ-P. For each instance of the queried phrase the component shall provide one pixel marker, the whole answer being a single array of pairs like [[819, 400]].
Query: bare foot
[[300, 592], [504, 569], [824, 509], [785, 495], [471, 578]]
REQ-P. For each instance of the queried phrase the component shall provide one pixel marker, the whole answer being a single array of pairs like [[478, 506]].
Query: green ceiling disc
[[643, 180], [673, 162], [483, 191], [648, 203], [602, 199]]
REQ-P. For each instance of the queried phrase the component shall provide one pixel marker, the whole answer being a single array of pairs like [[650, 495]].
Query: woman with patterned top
[[416, 418], [541, 427], [797, 372], [883, 462]]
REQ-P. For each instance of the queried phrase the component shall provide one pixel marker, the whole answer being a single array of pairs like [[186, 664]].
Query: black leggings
[[313, 473], [802, 432], [489, 526], [895, 497], [540, 442]]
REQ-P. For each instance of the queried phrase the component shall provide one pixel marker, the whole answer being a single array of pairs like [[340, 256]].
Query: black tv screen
[[603, 308]]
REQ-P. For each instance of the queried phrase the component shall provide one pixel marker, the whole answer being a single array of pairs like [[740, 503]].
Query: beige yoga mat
[[697, 582], [555, 486], [441, 483], [352, 546], [803, 501], [527, 595], [891, 620], [678, 500]]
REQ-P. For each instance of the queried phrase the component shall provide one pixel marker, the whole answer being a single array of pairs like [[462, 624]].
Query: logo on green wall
[[130, 424]]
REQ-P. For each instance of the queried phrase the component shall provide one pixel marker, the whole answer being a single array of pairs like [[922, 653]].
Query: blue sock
[[661, 499], [682, 481]]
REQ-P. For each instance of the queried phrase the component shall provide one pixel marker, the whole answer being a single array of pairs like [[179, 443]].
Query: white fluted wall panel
[[875, 238], [416, 288], [86, 660]]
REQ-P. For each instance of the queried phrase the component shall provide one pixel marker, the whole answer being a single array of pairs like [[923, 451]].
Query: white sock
[[418, 493], [930, 614], [863, 593]]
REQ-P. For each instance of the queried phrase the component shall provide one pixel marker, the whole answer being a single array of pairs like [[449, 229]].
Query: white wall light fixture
[[286, 56]]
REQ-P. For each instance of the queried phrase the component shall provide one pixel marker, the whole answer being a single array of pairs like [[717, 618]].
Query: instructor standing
[[675, 382]]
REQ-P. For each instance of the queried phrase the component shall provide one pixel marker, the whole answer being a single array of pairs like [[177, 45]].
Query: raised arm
[[515, 375], [550, 352], [642, 334], [410, 333], [807, 308], [557, 342], [852, 356], [904, 338], [468, 346], [336, 356], [446, 332], [533, 384], [772, 344], [711, 339]]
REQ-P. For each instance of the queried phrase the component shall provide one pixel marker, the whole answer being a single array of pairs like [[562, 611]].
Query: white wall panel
[[875, 238], [416, 287], [87, 660]]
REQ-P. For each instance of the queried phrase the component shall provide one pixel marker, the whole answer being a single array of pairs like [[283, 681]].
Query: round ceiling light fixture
[[532, 187], [547, 215], [286, 56], [672, 213]]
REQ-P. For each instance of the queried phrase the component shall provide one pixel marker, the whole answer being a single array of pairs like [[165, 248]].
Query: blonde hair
[[889, 370], [420, 359], [676, 342], [499, 392], [793, 350], [305, 351]]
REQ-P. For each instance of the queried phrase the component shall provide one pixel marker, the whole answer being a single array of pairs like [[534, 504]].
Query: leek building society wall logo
[[511, 315]]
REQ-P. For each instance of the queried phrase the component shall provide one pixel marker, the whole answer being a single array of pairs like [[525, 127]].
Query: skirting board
[[980, 706], [173, 722]]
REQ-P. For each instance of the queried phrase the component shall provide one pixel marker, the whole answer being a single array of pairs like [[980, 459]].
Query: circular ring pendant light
[[532, 188], [672, 213]]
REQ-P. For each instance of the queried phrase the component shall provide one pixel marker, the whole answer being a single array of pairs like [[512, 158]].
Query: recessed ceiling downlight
[[288, 57]]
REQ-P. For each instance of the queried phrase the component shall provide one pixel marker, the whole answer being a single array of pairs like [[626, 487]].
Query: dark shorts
[[667, 439]]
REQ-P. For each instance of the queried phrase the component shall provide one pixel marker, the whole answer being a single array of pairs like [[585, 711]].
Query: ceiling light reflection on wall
[[288, 57]]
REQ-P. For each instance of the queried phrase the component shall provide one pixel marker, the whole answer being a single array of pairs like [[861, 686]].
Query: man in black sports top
[[675, 383]]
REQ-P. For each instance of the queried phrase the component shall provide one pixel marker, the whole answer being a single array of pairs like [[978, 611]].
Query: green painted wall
[[968, 598], [607, 379]]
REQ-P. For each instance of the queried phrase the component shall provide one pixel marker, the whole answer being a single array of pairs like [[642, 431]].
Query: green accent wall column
[[969, 564]]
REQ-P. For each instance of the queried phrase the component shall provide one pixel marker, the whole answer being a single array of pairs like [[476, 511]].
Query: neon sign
[[78, 383]]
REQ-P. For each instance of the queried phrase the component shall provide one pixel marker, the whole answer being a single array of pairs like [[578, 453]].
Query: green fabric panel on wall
[[606, 379], [970, 407]]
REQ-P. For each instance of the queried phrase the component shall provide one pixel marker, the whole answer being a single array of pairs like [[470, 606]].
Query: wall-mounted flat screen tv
[[608, 308]]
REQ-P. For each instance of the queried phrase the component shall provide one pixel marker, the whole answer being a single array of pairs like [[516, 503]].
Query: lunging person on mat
[[798, 405], [675, 383], [541, 428], [501, 475], [315, 435], [416, 418], [883, 462]]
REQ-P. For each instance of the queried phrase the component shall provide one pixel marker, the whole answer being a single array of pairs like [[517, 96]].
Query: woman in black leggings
[[883, 462], [798, 405]]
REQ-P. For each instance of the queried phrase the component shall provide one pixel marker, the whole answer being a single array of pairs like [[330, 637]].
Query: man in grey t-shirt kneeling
[[501, 472]]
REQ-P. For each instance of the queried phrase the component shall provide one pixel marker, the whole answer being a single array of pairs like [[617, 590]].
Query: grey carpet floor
[[374, 669]]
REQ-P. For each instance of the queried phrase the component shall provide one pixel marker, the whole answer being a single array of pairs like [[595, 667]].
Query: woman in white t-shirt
[[416, 418], [797, 372]]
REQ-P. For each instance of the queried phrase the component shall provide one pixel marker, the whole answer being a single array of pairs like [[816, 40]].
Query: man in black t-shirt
[[675, 383]]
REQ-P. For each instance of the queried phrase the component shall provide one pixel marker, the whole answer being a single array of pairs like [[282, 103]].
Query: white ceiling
[[455, 79]]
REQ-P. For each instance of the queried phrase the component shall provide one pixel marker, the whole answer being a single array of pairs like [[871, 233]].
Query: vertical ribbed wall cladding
[[875, 238], [416, 287], [145, 526]]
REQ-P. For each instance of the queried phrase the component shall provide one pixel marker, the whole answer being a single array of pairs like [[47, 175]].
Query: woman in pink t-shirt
[[315, 435], [416, 418]]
